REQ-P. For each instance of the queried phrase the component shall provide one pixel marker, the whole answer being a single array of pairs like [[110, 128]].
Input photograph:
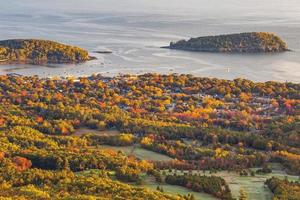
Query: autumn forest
[[55, 134]]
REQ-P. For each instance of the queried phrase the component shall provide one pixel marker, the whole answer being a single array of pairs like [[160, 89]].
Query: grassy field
[[139, 153], [82, 131], [254, 186], [150, 183]]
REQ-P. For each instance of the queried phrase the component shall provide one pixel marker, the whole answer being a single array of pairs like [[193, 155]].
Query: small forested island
[[149, 137], [34, 51], [253, 42]]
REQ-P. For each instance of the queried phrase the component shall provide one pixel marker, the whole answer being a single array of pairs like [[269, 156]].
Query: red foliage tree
[[21, 163]]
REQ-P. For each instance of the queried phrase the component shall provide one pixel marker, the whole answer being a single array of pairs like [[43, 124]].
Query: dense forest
[[202, 124], [254, 42], [284, 189], [40, 51], [209, 184]]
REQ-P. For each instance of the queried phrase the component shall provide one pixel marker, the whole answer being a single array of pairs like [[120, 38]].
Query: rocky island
[[253, 42], [34, 51]]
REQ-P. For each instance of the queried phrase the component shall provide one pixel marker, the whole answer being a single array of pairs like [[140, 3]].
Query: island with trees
[[34, 51], [252, 42]]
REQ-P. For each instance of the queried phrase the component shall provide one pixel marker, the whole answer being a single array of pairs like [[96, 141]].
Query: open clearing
[[173, 189], [83, 131], [254, 186], [139, 153]]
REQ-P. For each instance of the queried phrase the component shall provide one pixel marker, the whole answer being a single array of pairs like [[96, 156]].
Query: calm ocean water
[[135, 29]]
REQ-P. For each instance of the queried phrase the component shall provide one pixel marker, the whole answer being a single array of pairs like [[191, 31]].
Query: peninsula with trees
[[252, 42], [34, 51]]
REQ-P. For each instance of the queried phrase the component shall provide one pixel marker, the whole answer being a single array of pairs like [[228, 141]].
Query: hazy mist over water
[[135, 29]]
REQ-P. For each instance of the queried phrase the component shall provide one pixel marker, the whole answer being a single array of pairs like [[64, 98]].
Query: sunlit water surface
[[134, 30]]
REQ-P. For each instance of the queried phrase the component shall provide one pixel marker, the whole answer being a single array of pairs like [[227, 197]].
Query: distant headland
[[34, 51], [253, 42]]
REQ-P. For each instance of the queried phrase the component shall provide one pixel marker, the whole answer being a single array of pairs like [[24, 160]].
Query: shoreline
[[228, 53], [31, 62], [134, 75]]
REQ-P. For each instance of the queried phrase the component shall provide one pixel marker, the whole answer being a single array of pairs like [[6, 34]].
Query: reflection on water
[[135, 33]]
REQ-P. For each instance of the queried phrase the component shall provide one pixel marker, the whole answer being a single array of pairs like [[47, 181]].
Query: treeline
[[47, 184], [213, 185], [284, 189], [113, 140]]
